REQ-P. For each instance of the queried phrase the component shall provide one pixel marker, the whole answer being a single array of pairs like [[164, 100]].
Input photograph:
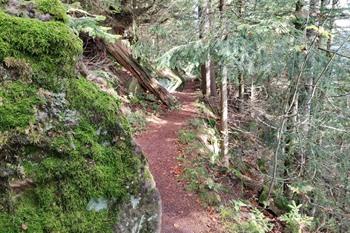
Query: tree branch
[[334, 52]]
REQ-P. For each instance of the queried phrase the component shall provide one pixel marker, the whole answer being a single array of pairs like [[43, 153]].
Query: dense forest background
[[284, 68]]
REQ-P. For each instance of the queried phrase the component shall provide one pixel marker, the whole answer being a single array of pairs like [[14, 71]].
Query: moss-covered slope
[[67, 163]]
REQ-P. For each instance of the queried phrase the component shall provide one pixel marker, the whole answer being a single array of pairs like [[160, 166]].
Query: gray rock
[[45, 17]]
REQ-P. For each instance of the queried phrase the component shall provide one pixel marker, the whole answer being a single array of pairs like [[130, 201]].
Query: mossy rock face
[[17, 102], [67, 161], [52, 7], [45, 10], [50, 48]]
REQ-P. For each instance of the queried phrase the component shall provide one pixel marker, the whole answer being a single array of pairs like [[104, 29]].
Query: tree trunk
[[331, 25], [203, 79], [310, 80], [241, 8], [124, 58], [241, 87], [289, 150], [210, 74], [322, 17], [300, 17], [134, 23], [252, 98], [314, 11], [224, 101], [241, 91], [208, 77], [213, 90], [224, 116], [291, 122], [203, 72]]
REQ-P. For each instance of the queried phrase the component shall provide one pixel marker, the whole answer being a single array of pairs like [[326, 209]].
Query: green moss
[[85, 95], [77, 165], [74, 163], [79, 168], [37, 221], [99, 107], [64, 188], [22, 69], [54, 8], [50, 47], [17, 102], [34, 38]]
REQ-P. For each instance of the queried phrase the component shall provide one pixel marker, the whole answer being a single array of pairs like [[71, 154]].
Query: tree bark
[[241, 88], [203, 79], [210, 74], [124, 58], [213, 90], [224, 100], [134, 38], [241, 8], [203, 71], [331, 25], [224, 118], [289, 149], [322, 17], [314, 11], [292, 120], [241, 92], [310, 80], [208, 77]]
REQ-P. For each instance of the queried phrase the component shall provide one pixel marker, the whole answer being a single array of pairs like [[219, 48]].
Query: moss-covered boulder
[[45, 10], [67, 161], [52, 7], [50, 48]]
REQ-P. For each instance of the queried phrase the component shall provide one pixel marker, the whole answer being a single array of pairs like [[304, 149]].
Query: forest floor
[[181, 210]]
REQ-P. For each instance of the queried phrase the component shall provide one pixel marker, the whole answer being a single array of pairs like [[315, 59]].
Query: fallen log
[[172, 80], [121, 54]]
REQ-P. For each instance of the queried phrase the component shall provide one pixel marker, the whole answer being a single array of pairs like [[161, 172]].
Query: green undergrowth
[[239, 217], [141, 107], [205, 175], [146, 102], [186, 136], [198, 162], [138, 121], [296, 221]]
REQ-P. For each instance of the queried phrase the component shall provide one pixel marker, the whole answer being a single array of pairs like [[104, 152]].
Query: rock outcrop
[[67, 161]]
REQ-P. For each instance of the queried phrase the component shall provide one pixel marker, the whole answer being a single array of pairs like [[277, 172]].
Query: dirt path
[[181, 211]]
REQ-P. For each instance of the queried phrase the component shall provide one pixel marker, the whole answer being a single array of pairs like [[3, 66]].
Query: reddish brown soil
[[182, 212]]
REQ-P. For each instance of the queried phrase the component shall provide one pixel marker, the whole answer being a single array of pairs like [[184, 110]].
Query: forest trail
[[182, 212]]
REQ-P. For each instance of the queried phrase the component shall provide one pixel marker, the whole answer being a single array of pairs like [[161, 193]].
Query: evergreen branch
[[334, 52]]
